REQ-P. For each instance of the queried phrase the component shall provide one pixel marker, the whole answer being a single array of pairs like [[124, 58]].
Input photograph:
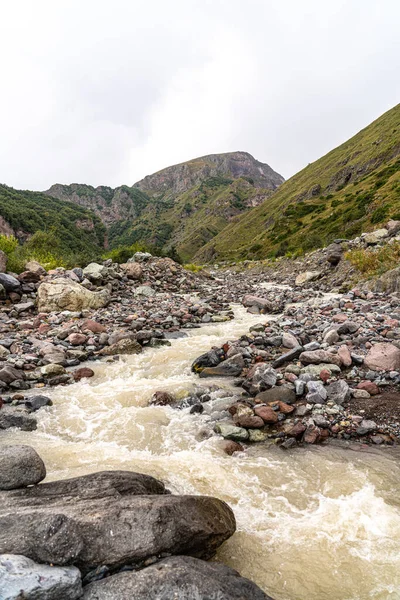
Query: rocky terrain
[[322, 364], [180, 207], [108, 535]]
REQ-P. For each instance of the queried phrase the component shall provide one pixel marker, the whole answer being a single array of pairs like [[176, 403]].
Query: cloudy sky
[[108, 91]]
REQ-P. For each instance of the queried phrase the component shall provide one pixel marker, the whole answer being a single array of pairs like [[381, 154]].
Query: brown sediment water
[[313, 524]]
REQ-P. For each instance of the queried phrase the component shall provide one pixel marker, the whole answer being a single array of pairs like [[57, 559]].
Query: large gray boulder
[[65, 294], [20, 466], [109, 518], [21, 578], [180, 577]]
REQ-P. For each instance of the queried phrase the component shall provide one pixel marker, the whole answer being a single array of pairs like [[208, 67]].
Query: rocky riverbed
[[80, 348]]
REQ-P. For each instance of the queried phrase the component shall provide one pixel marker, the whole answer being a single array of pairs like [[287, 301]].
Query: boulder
[[29, 277], [267, 414], [140, 257], [231, 432], [383, 357], [338, 391], [52, 370], [258, 305], [9, 374], [334, 254], [22, 578], [20, 466], [289, 340], [280, 393], [16, 416], [209, 359], [393, 227], [307, 276], [315, 357], [231, 367], [95, 272], [176, 577], [123, 346], [388, 283], [34, 403], [10, 283], [375, 236], [93, 326], [65, 294], [83, 373], [34, 267], [145, 290], [132, 270], [110, 518]]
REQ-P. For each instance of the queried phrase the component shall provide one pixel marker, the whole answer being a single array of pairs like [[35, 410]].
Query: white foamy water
[[313, 524]]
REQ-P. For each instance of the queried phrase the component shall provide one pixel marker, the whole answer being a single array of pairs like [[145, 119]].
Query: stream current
[[312, 524]]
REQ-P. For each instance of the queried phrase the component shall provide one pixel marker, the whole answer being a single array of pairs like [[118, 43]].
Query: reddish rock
[[77, 339], [230, 447], [311, 434], [266, 413], [340, 318], [286, 409], [344, 354], [290, 377], [324, 375], [83, 372], [44, 328], [383, 357], [297, 430], [368, 386], [249, 422], [29, 277], [93, 326]]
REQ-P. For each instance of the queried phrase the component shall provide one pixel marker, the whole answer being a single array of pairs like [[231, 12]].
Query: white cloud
[[106, 92]]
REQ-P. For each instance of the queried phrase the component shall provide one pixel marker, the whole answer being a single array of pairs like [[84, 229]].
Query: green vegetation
[[192, 267], [55, 230], [375, 261], [352, 189]]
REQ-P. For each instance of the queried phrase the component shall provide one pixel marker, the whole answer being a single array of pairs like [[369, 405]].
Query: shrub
[[192, 267]]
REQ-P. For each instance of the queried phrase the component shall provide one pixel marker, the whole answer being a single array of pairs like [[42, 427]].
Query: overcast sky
[[108, 91]]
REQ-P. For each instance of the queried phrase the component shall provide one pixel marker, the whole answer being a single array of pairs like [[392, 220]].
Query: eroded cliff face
[[127, 203], [180, 178]]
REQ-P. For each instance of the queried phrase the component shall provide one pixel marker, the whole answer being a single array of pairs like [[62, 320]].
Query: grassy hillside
[[353, 188], [180, 208], [191, 219], [77, 230]]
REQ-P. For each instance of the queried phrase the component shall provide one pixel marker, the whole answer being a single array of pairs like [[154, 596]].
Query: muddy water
[[314, 524]]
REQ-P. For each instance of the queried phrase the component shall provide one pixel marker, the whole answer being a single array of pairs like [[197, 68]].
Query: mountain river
[[313, 523]]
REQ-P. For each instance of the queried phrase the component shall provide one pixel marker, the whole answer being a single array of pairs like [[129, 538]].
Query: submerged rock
[[176, 577]]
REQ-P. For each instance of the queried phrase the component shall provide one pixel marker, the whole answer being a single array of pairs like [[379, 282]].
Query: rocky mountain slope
[[22, 213], [183, 206], [353, 188]]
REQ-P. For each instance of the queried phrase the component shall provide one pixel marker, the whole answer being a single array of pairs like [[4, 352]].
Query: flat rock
[[313, 357], [282, 393], [109, 518], [20, 466], [180, 577], [307, 276], [22, 578]]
